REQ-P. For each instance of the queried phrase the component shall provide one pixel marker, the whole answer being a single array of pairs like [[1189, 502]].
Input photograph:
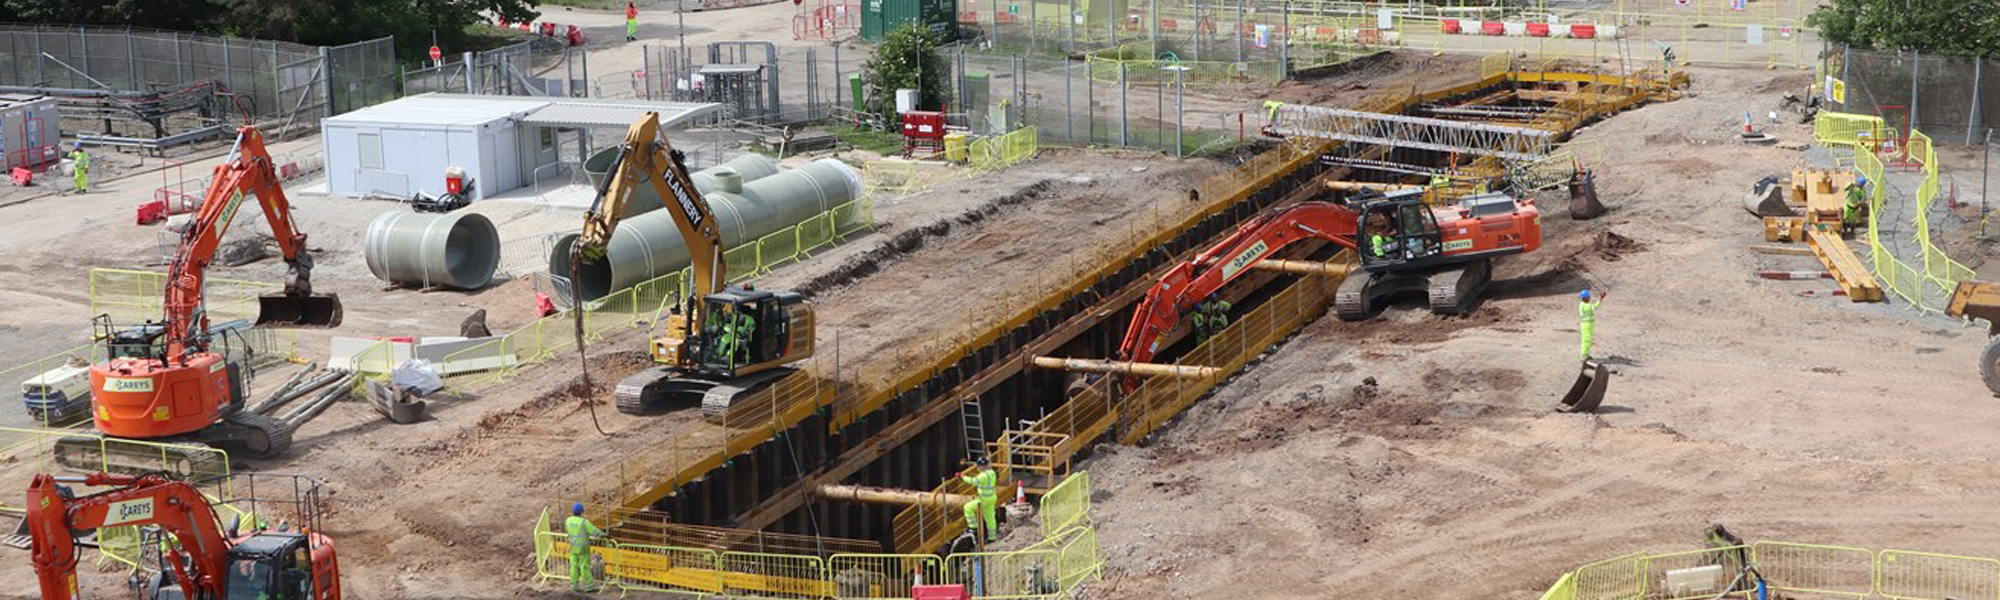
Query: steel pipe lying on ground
[[1089, 365], [459, 250], [751, 167], [649, 245]]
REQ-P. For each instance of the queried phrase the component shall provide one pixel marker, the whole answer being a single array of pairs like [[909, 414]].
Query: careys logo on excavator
[[127, 511], [1243, 260]]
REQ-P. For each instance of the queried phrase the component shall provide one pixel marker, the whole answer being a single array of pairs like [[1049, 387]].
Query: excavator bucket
[[310, 310], [1768, 200], [1588, 391], [1583, 203]]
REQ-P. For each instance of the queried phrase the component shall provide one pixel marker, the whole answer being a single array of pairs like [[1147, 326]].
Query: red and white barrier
[[1582, 31]]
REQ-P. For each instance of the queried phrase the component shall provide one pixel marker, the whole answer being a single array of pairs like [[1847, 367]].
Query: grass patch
[[872, 140]]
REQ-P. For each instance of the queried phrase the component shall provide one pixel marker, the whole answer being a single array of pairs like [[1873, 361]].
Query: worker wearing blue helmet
[[1586, 312], [580, 534]]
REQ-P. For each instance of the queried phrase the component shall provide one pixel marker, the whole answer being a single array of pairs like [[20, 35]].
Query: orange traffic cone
[[1020, 493]]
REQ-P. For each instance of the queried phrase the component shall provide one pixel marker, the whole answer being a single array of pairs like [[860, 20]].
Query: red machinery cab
[[1422, 235]]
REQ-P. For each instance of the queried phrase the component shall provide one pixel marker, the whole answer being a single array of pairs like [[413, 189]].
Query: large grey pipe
[[649, 245], [751, 166], [459, 249]]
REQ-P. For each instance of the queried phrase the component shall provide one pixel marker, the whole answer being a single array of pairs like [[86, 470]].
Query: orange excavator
[[1404, 243], [184, 392], [207, 561]]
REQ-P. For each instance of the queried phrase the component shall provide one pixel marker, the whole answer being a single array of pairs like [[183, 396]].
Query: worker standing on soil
[[987, 482], [80, 164], [580, 532], [631, 22], [1586, 312]]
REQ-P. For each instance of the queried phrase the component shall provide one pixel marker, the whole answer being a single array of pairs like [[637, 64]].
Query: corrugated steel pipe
[[649, 245], [751, 167], [459, 249]]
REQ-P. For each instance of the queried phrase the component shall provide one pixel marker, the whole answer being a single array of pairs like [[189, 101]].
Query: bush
[[907, 59]]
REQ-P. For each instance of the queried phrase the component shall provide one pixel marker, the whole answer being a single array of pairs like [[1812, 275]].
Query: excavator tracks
[[716, 402], [87, 453], [1453, 291]]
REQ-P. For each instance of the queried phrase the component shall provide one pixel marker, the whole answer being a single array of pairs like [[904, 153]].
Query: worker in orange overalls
[[631, 21]]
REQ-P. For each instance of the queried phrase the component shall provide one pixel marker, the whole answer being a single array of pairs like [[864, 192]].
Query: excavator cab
[[745, 330], [1407, 225]]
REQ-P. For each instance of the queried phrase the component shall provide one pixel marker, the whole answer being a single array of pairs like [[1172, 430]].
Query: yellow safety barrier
[[1906, 575], [134, 296], [774, 575], [1810, 570], [1066, 505], [997, 152], [1081, 560], [663, 568], [881, 576], [1925, 281], [1016, 574], [1814, 569]]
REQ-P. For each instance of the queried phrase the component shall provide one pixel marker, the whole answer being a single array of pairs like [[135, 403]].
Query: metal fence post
[[1972, 118], [1916, 63], [1069, 96], [1285, 40], [1123, 105], [1239, 30], [131, 64], [325, 66], [467, 57], [1180, 111], [1069, 22]]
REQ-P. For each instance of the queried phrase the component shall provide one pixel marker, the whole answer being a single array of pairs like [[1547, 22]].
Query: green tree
[[1955, 27], [907, 59], [187, 15], [316, 22]]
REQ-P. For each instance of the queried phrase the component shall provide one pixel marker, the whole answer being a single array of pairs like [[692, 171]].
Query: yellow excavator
[[721, 343], [1981, 300]]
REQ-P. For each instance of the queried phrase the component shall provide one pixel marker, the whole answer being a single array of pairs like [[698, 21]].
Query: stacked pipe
[[649, 245], [318, 404], [750, 167]]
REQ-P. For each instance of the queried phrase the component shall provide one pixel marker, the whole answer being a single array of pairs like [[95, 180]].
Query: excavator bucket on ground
[[1583, 203], [1767, 199], [1588, 391], [309, 310]]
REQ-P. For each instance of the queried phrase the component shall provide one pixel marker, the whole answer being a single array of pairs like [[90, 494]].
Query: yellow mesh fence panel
[[881, 576], [1081, 560], [1906, 575], [1564, 588], [774, 575], [663, 568], [1018, 574], [1614, 579], [1695, 574], [1066, 505], [1813, 569]]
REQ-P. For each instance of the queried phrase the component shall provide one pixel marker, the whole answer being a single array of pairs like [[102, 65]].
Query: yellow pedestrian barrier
[[881, 576], [1066, 505], [774, 575], [1814, 569], [663, 568], [1017, 574], [1612, 579], [1906, 575]]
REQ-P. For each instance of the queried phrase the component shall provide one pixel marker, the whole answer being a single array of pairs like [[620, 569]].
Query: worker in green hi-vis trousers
[[1586, 313]]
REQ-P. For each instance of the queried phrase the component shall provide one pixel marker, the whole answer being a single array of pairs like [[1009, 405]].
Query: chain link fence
[[266, 81], [1949, 97]]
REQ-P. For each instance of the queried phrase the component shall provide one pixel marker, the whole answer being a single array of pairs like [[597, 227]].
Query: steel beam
[[1402, 131]]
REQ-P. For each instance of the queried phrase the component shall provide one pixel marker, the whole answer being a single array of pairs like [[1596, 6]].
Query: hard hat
[[1584, 294], [576, 509], [983, 461], [1860, 179]]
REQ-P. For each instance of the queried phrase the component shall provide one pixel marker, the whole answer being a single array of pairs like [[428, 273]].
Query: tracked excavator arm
[[1191, 282], [646, 158], [54, 518]]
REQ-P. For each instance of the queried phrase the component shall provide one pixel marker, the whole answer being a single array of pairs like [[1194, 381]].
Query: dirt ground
[[1421, 454], [404, 499]]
